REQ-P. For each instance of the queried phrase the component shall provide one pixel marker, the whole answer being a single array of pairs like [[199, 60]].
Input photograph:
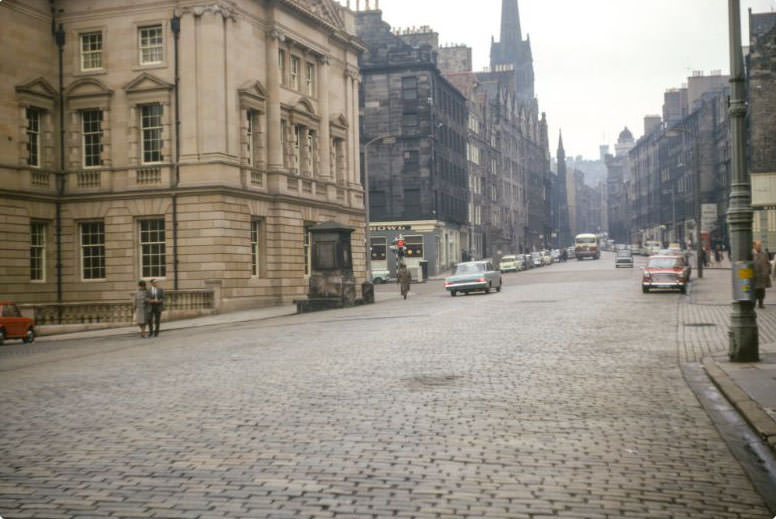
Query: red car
[[665, 271], [13, 325]]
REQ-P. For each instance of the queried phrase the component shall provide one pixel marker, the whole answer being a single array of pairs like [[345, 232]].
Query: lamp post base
[[743, 334]]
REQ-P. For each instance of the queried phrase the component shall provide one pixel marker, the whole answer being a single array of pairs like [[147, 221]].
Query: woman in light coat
[[140, 304]]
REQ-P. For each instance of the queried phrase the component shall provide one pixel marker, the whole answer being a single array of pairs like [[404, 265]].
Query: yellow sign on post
[[743, 277]]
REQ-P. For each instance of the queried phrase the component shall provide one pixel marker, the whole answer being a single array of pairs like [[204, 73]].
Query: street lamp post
[[700, 252], [368, 241], [743, 334]]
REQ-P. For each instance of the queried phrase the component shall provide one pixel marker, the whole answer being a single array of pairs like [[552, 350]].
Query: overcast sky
[[600, 65]]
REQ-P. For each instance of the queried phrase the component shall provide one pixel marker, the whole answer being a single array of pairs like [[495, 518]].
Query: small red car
[[666, 272], [13, 325]]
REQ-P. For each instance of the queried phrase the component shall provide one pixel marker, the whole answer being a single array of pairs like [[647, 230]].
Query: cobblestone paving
[[559, 397], [704, 318]]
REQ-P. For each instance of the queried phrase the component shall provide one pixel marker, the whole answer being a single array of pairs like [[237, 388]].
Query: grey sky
[[600, 64]]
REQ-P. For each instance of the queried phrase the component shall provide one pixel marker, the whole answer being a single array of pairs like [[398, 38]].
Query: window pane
[[151, 124], [33, 137], [153, 248], [92, 137], [93, 250], [151, 45], [37, 251], [255, 248], [91, 50]]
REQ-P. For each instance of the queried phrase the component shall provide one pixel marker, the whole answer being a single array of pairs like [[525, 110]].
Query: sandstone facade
[[207, 180]]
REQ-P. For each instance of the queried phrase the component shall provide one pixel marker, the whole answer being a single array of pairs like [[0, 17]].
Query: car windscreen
[[664, 263], [469, 268], [585, 240]]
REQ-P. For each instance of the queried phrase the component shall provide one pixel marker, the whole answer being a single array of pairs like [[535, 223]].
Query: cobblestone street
[[561, 396]]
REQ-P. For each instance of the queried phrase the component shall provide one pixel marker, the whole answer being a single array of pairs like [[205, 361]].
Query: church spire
[[511, 36], [561, 151]]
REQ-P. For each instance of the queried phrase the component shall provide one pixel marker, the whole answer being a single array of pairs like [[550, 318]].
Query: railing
[[178, 303]]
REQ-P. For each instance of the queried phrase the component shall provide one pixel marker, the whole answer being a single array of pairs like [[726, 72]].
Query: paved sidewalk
[[704, 322]]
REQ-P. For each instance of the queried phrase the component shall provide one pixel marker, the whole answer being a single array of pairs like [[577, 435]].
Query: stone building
[[508, 148], [519, 132], [761, 63], [418, 185], [560, 199], [191, 142], [455, 63], [617, 183], [679, 169]]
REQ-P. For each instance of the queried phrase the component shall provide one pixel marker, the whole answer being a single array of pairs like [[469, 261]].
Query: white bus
[[586, 246]]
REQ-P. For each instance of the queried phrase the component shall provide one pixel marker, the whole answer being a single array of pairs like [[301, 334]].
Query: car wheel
[[29, 336], [2, 336], [683, 289], [487, 288], [645, 289], [453, 293], [498, 288]]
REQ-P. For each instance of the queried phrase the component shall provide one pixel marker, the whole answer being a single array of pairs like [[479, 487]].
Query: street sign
[[708, 217]]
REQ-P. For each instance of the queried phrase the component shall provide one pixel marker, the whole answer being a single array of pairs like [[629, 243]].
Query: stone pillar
[[274, 149], [324, 140], [211, 72]]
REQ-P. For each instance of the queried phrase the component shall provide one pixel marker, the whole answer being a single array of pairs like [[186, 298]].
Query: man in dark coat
[[762, 273], [156, 305], [403, 278]]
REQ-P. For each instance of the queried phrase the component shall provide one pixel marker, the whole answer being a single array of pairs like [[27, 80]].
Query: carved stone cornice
[[226, 12]]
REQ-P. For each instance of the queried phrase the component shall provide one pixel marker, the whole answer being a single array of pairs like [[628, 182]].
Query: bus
[[586, 246]]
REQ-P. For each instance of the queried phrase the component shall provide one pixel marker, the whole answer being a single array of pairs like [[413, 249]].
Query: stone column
[[324, 140], [211, 72], [274, 150]]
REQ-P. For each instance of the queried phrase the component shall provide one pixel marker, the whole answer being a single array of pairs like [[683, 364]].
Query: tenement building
[[191, 142], [762, 124], [414, 143], [507, 148]]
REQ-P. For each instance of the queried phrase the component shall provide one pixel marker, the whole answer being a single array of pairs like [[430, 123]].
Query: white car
[[510, 263]]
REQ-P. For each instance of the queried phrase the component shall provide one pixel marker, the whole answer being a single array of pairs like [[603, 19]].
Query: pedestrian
[[403, 278], [140, 304], [762, 273], [718, 254], [156, 304]]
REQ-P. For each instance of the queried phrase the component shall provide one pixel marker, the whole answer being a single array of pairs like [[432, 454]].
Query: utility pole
[[743, 334]]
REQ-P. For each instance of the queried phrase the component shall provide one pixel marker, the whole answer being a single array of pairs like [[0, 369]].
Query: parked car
[[571, 252], [623, 258], [380, 276], [537, 259], [636, 248], [651, 247], [471, 276], [510, 263], [555, 253], [665, 272], [527, 261], [547, 257], [679, 253], [13, 325]]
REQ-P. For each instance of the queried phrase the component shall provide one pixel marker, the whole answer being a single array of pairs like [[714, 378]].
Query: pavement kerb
[[751, 411]]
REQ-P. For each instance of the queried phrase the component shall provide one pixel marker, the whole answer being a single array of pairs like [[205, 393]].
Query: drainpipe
[[175, 25], [59, 37]]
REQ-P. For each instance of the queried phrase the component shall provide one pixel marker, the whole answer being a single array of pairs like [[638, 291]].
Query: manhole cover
[[699, 325]]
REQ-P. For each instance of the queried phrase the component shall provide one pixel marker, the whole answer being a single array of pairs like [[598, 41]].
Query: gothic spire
[[561, 151], [511, 36]]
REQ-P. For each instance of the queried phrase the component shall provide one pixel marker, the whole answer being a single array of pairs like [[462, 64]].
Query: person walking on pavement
[[762, 273], [403, 278], [140, 304], [156, 303]]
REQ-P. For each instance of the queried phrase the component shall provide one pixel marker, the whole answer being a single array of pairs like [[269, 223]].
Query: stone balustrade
[[178, 304]]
